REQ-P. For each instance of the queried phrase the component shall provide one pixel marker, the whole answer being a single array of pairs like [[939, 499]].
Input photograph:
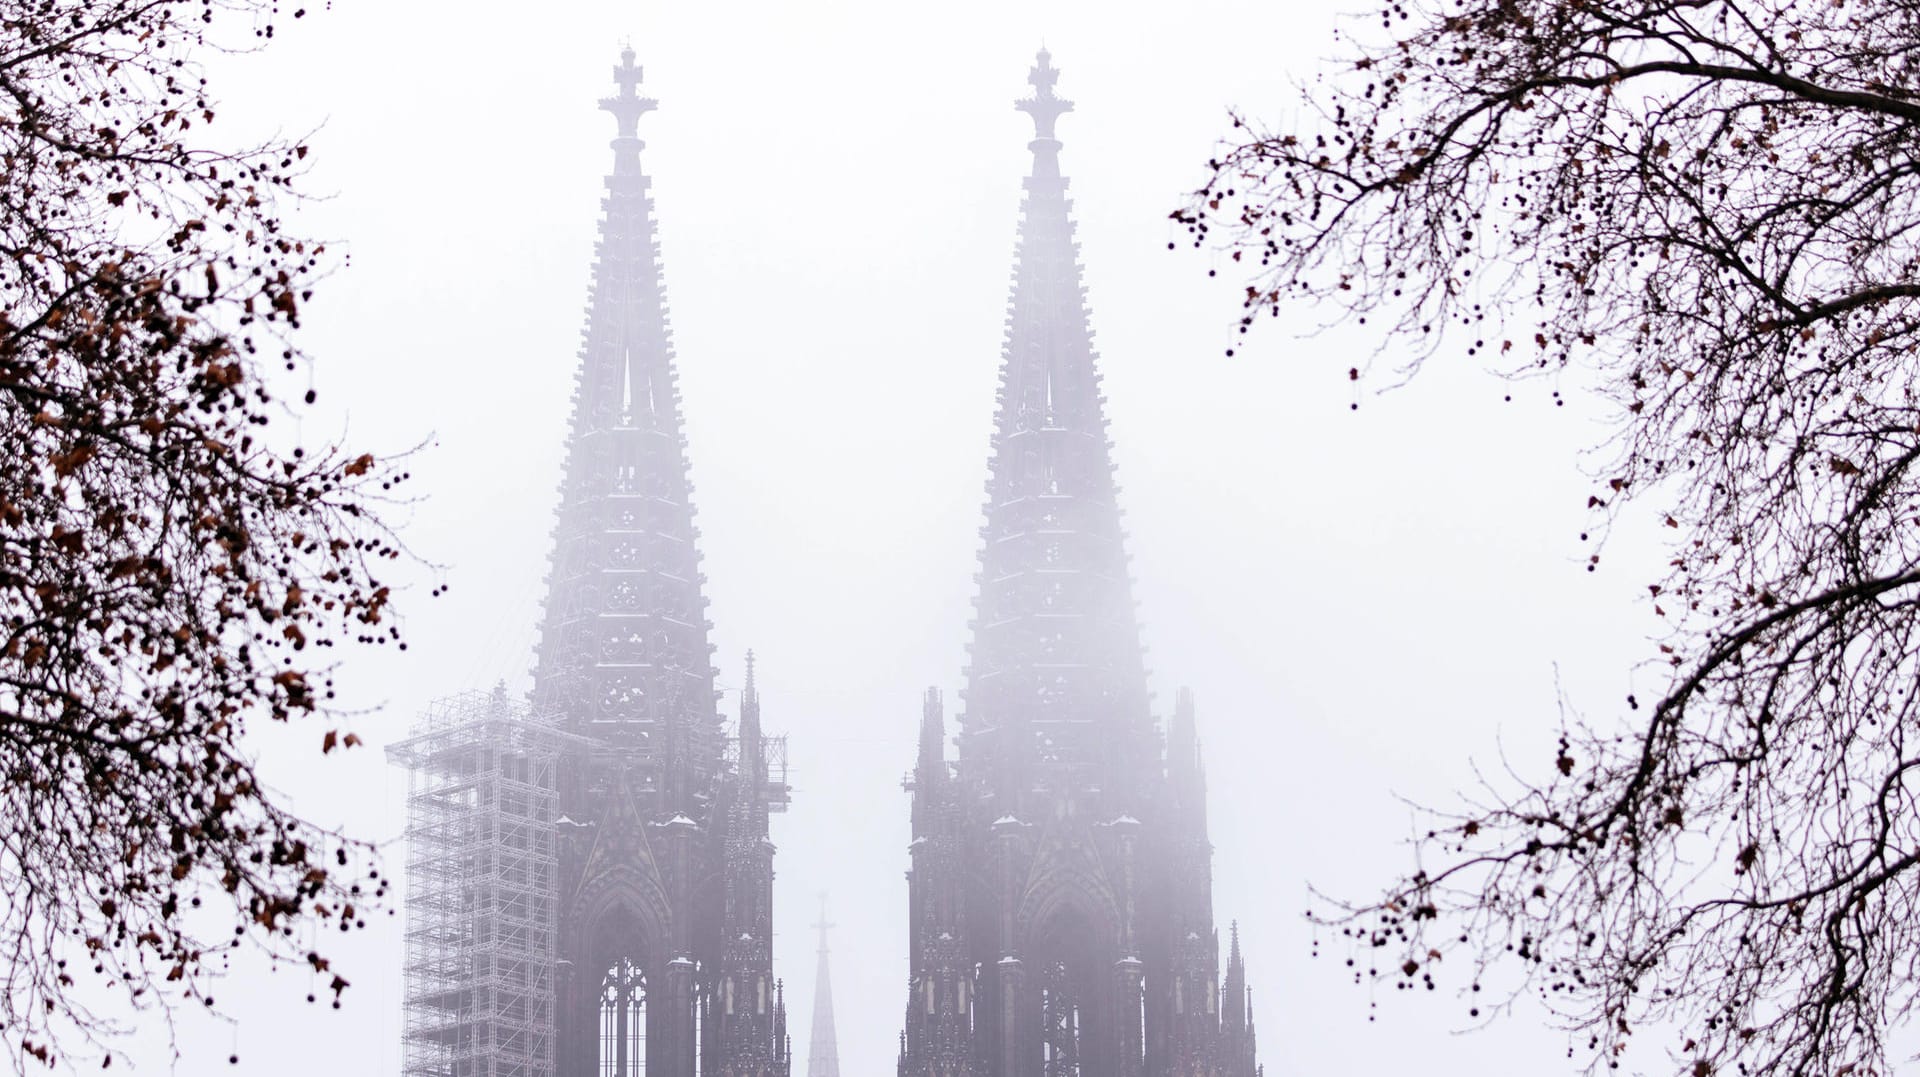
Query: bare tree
[[1710, 211], [169, 568]]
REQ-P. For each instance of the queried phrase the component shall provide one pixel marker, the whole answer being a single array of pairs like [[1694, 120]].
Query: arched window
[[1059, 1021], [623, 1021], [1070, 995]]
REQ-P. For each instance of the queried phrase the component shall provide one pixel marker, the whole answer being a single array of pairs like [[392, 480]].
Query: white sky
[[1362, 601]]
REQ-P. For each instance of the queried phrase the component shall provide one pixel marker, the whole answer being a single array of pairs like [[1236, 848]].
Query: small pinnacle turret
[[1238, 1057]]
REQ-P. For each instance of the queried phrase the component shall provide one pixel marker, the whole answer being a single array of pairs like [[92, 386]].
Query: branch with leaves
[[169, 569]]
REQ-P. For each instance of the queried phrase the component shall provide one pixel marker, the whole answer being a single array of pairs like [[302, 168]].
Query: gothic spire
[[823, 1053], [1236, 1016], [623, 650], [1056, 693], [783, 1043], [750, 802]]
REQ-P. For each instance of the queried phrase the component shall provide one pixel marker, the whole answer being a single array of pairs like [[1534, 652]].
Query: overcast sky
[[1365, 602]]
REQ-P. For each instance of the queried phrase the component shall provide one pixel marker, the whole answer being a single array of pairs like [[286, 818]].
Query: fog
[[1366, 601]]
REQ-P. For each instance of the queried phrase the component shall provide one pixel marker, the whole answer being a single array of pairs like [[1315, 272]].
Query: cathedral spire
[[664, 875], [823, 1053], [1060, 894], [1056, 690], [623, 648]]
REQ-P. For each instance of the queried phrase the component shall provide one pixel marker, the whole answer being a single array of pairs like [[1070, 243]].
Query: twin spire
[[1056, 708], [1056, 684]]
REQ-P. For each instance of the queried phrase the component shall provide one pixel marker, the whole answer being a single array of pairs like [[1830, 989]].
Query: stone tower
[[665, 870], [1060, 891]]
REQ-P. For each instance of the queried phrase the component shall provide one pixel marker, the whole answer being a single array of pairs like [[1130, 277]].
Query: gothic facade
[[665, 871], [1061, 908]]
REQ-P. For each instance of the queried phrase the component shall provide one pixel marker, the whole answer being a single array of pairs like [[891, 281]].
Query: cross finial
[[1044, 106], [628, 106], [823, 925]]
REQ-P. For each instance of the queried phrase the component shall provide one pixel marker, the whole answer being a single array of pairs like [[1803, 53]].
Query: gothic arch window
[[623, 1021], [1060, 1021], [1067, 981]]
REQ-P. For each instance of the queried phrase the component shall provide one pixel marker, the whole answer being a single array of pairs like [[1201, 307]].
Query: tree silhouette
[[1708, 210], [170, 568]]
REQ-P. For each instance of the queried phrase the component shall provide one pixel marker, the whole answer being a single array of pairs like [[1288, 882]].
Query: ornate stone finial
[[629, 106], [1044, 106], [748, 690]]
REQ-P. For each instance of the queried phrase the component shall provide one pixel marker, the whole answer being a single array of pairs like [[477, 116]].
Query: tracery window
[[623, 1021], [1059, 1022]]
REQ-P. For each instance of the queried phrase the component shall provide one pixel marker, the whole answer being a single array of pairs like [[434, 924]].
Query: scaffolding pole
[[482, 863]]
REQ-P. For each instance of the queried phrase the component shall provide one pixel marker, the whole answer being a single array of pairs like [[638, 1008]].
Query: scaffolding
[[482, 863], [775, 791]]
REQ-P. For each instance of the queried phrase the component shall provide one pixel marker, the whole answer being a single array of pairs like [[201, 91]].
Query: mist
[[1376, 596]]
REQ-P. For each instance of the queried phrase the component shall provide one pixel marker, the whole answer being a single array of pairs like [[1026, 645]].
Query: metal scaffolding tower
[[482, 859]]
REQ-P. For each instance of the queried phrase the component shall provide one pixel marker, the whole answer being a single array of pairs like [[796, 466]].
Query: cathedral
[[1061, 902], [590, 871], [665, 886], [590, 878]]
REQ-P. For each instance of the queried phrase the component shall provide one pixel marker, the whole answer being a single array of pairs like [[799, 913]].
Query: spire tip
[[1044, 106], [628, 106]]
